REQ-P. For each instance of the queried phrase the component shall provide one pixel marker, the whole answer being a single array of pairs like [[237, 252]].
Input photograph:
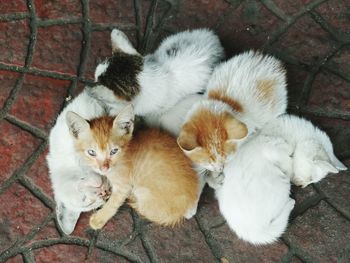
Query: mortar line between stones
[[287, 258], [214, 248], [306, 90], [28, 257], [138, 20], [149, 26], [299, 252], [221, 20], [101, 27], [13, 17], [58, 22], [36, 191], [33, 33], [301, 208], [273, 8], [27, 127], [24, 168], [323, 113], [338, 36], [283, 28]]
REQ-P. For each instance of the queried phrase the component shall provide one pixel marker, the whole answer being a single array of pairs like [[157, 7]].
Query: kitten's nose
[[104, 168]]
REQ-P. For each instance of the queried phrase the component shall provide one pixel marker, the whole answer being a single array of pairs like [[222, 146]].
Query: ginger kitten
[[146, 168], [242, 95]]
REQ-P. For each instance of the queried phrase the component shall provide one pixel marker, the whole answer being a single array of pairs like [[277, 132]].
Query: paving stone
[[58, 49], [194, 14], [100, 255], [61, 253], [337, 189], [337, 90], [300, 195], [13, 6], [118, 228], [118, 12], [14, 42], [341, 61], [57, 9], [8, 81], [40, 100], [16, 146], [15, 259], [46, 233], [39, 174], [236, 250], [184, 243], [302, 35], [137, 248], [291, 7], [336, 13], [326, 240], [249, 26], [22, 212]]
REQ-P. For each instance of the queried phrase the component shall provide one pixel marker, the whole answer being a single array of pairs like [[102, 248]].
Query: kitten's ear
[[121, 43], [66, 218], [235, 129], [187, 141], [325, 167], [76, 124], [124, 122]]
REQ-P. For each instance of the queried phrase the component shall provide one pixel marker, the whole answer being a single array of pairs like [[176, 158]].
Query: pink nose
[[104, 168]]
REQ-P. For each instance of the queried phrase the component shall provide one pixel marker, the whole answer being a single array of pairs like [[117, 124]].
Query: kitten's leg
[[120, 42], [101, 217], [66, 218], [193, 210]]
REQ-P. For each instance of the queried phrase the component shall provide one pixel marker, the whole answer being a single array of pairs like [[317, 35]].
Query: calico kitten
[[154, 83], [313, 156], [254, 198], [145, 167], [76, 186], [242, 95]]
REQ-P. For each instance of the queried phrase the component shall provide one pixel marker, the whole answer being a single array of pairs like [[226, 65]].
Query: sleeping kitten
[[313, 156], [254, 198], [146, 167], [76, 186], [243, 94], [181, 66]]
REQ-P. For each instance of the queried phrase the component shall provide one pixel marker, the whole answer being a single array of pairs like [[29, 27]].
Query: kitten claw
[[96, 222]]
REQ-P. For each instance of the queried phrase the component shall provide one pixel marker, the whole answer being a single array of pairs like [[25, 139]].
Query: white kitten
[[313, 156], [254, 198], [76, 187], [181, 66]]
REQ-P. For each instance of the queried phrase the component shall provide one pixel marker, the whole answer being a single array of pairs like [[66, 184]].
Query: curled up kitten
[[242, 95], [145, 167], [154, 83]]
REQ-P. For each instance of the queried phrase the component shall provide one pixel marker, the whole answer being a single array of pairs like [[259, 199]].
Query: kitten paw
[[215, 182], [96, 221]]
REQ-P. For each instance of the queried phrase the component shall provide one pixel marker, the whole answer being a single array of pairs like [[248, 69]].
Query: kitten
[[181, 66], [76, 186], [313, 156], [242, 95], [146, 167], [254, 198]]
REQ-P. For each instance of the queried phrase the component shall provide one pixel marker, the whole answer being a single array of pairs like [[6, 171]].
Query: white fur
[[181, 66], [313, 156], [254, 198], [76, 187]]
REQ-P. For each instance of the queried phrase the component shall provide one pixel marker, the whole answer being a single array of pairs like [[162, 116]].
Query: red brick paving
[[49, 50]]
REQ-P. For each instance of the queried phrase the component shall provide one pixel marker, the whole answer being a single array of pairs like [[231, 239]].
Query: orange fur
[[266, 89], [150, 171], [220, 95], [208, 138]]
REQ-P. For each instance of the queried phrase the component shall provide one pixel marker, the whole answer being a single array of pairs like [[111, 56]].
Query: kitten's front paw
[[215, 182], [96, 221]]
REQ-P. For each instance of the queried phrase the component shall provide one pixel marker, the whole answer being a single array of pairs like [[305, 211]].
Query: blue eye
[[113, 151], [91, 153]]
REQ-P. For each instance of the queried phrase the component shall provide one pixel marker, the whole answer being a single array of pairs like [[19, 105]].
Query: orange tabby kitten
[[146, 168]]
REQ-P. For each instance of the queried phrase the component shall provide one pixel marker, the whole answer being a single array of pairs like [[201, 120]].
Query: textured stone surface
[[62, 47], [14, 41], [58, 48], [40, 100], [16, 146]]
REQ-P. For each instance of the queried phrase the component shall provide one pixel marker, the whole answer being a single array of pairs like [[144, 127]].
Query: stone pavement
[[48, 51]]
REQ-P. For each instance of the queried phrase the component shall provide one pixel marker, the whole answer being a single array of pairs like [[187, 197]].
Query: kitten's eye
[[91, 153], [113, 151]]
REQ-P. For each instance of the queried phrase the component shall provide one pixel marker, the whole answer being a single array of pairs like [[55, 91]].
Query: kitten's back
[[165, 185]]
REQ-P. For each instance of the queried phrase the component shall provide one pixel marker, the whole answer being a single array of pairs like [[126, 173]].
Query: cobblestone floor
[[48, 53]]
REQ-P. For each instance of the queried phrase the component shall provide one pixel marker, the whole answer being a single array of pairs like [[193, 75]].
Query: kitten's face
[[208, 138], [101, 141]]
